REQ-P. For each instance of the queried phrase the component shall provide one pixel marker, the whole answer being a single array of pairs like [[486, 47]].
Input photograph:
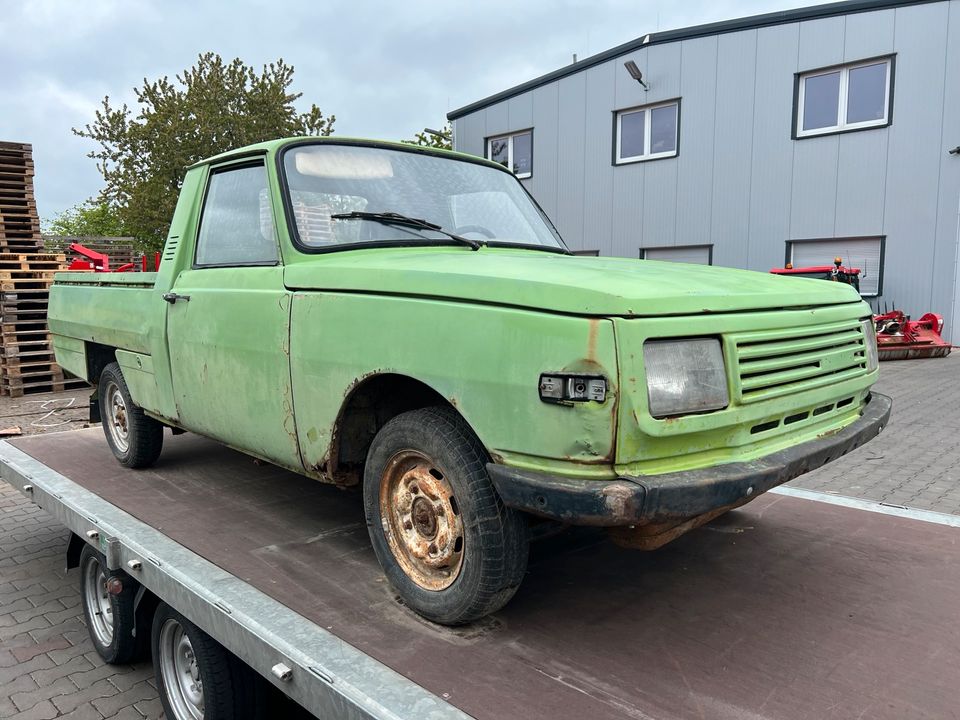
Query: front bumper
[[678, 496]]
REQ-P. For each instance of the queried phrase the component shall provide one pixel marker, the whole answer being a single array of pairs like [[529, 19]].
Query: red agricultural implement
[[898, 337], [100, 262]]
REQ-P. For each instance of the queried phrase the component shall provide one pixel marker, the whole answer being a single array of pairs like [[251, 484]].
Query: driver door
[[228, 322]]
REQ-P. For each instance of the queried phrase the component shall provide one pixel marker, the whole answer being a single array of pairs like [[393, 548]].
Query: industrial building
[[793, 136]]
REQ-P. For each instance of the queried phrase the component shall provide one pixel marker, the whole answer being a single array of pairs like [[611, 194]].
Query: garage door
[[699, 254], [863, 253]]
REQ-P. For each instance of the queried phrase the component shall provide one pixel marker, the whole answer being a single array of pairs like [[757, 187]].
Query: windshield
[[468, 199]]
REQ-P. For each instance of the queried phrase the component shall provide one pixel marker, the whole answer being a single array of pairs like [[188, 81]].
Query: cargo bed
[[788, 608]]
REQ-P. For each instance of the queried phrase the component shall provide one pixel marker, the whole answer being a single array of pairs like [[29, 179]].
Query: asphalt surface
[[48, 668]]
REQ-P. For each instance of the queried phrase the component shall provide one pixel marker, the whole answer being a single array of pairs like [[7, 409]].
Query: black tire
[[111, 618], [135, 438], [492, 559], [229, 689]]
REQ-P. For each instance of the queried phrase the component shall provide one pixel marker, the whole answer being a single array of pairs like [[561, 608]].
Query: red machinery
[[100, 262], [836, 272], [898, 337]]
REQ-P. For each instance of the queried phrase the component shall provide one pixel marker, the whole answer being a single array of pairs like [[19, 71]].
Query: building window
[[697, 254], [586, 253], [646, 133], [514, 152], [839, 99], [863, 253]]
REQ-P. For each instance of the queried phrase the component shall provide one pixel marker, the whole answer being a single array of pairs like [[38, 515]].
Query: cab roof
[[273, 146]]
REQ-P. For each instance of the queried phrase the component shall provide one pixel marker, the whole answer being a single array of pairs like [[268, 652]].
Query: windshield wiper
[[392, 218]]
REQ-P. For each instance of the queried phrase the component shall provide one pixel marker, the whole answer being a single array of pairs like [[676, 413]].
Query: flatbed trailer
[[797, 605]]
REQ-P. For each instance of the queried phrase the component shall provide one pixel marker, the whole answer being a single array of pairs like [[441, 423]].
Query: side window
[[236, 227]]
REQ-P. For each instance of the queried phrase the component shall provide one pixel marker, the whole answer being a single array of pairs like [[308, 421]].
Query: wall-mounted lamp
[[955, 151], [635, 73]]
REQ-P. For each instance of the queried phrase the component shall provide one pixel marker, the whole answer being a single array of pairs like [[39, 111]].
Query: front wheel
[[443, 537], [135, 438]]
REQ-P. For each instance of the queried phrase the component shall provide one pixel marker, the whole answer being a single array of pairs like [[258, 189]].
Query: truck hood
[[559, 283]]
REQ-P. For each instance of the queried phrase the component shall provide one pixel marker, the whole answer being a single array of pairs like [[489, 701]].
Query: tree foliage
[[91, 218], [209, 108], [443, 139]]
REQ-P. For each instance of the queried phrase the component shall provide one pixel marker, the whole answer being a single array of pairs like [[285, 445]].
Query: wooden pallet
[[52, 382], [31, 351], [28, 368], [27, 361], [28, 261]]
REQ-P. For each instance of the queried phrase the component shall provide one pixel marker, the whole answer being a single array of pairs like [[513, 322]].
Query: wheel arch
[[368, 405], [98, 357]]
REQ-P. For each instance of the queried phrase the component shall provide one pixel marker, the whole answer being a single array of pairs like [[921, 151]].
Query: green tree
[[91, 218], [442, 139], [210, 108]]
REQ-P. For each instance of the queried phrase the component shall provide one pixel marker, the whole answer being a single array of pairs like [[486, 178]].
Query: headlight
[[685, 376], [870, 344]]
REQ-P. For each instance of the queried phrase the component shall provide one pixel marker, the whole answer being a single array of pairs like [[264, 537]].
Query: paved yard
[[916, 461], [48, 668]]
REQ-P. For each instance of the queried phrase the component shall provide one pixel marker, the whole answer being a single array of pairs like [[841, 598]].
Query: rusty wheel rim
[[421, 520], [116, 419]]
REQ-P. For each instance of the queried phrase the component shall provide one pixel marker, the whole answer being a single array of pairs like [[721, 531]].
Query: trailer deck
[[786, 608]]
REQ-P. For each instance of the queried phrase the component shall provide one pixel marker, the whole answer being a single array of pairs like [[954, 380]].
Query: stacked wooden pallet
[[19, 222], [27, 363]]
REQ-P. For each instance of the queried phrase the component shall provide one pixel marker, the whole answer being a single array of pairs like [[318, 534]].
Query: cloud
[[385, 69]]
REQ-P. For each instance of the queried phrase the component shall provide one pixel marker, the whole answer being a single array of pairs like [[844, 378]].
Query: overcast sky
[[385, 69]]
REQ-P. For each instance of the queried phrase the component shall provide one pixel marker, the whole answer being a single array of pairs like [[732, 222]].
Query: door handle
[[172, 297]]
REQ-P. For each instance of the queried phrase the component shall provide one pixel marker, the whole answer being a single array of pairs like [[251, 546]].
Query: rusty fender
[[672, 499]]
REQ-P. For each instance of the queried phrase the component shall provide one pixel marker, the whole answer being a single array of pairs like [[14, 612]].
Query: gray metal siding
[[948, 213], [571, 157], [733, 146], [740, 182], [695, 165], [914, 156], [597, 226], [771, 178]]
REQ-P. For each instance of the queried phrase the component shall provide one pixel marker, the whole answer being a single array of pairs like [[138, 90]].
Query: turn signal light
[[572, 388]]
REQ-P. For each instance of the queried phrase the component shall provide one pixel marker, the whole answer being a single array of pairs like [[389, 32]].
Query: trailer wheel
[[443, 536], [111, 616], [197, 678], [135, 439]]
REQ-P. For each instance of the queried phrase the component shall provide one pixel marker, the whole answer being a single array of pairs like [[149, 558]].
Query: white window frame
[[842, 125], [509, 137], [647, 126]]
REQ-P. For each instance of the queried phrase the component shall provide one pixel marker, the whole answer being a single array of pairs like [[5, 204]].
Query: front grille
[[773, 363]]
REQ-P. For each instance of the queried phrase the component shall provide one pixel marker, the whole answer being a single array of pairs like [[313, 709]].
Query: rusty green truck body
[[298, 349]]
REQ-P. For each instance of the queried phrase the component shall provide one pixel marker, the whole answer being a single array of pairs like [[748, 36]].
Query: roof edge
[[782, 17]]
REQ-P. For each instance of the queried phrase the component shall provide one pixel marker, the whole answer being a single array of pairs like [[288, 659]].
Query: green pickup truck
[[408, 320]]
